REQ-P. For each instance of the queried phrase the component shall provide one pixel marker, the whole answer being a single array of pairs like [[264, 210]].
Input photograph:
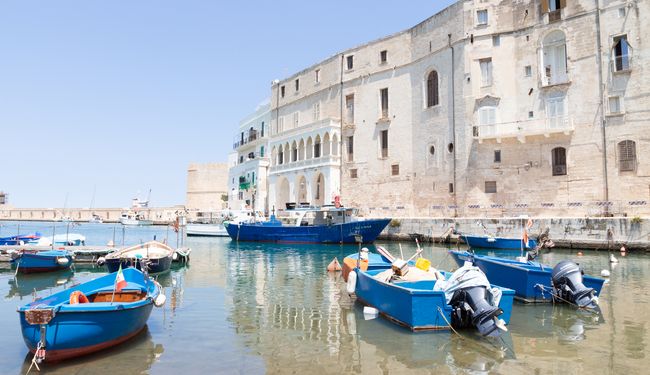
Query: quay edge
[[585, 233]]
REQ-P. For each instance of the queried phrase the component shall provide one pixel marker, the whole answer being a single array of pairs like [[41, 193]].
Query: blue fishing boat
[[89, 317], [311, 225], [535, 282], [20, 239], [422, 298], [27, 261], [491, 242]]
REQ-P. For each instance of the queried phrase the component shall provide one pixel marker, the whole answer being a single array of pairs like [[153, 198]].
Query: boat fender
[[77, 297], [159, 301], [62, 261], [101, 261], [352, 282], [175, 256]]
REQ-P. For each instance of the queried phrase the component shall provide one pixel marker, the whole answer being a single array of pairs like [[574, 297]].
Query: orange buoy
[[334, 265], [78, 297]]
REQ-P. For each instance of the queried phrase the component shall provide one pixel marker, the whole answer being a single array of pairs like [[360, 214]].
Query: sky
[[101, 101]]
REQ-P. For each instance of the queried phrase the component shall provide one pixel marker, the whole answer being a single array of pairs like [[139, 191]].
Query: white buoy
[[604, 273], [351, 286], [612, 258], [160, 300], [370, 312], [63, 261]]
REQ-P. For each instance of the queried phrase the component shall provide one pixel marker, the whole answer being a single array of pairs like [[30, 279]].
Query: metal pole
[[123, 233], [113, 234], [53, 233]]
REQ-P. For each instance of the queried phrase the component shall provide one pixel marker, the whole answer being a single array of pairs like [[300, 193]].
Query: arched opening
[[274, 156], [335, 145], [301, 150], [319, 190], [282, 193], [432, 89], [317, 147], [302, 190], [326, 144], [287, 153], [309, 149], [294, 151], [554, 66]]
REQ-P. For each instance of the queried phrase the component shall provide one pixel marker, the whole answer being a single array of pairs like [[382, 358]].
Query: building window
[[432, 89], [241, 159], [384, 143], [350, 62], [497, 156], [432, 150], [554, 59], [556, 112], [626, 156], [350, 148], [450, 148], [615, 104], [528, 70], [317, 75], [296, 119], [294, 152], [349, 108], [297, 84], [531, 114], [621, 53], [282, 90], [262, 130], [496, 40], [490, 187], [486, 72], [451, 187], [280, 156], [261, 151], [621, 12], [394, 170], [383, 57], [384, 102], [482, 17], [558, 156], [317, 148], [316, 111], [353, 173]]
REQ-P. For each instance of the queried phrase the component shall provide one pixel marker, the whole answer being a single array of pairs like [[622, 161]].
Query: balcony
[[248, 136], [523, 129], [328, 160]]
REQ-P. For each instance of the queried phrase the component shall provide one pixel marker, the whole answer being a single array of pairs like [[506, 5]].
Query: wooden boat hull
[[155, 265], [414, 305], [43, 261], [158, 257], [485, 242], [79, 329], [335, 233], [525, 278]]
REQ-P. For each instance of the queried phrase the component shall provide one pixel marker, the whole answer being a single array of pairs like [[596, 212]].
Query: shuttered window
[[627, 156], [559, 161]]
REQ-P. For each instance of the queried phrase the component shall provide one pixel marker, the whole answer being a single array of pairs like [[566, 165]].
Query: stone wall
[[206, 185]]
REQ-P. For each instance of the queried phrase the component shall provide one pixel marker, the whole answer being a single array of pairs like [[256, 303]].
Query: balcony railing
[[555, 124], [308, 163], [249, 136]]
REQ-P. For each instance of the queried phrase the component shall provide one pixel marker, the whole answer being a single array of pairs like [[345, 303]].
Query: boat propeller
[[567, 281], [471, 309]]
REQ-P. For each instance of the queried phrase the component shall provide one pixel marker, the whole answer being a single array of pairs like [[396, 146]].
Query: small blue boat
[[56, 328], [417, 306], [531, 281], [490, 242], [41, 261], [20, 239], [311, 225]]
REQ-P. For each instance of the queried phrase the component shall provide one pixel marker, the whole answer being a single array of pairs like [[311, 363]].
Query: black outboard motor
[[567, 280], [471, 309]]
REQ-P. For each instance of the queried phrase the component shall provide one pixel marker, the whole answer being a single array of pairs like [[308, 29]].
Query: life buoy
[[78, 297], [352, 282]]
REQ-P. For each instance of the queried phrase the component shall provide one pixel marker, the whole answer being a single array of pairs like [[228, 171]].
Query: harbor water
[[252, 308]]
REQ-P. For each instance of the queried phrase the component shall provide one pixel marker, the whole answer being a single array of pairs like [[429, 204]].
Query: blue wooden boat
[[531, 281], [41, 261], [311, 225], [20, 239], [490, 242], [61, 330], [416, 305]]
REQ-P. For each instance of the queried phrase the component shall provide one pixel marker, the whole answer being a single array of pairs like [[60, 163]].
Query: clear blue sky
[[120, 96]]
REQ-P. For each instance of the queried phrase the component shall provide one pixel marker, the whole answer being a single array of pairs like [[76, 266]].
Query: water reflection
[[136, 356], [29, 284]]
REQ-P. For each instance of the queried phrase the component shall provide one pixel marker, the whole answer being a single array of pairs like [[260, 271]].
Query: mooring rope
[[34, 359], [543, 288], [449, 324]]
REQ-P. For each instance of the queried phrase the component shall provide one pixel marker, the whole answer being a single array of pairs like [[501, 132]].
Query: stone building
[[249, 162], [206, 188], [487, 108]]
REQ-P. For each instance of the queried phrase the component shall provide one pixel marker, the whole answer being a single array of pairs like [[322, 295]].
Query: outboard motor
[[567, 280], [471, 309]]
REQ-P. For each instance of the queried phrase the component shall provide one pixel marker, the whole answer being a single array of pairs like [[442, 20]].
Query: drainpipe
[[341, 125], [599, 60], [453, 123]]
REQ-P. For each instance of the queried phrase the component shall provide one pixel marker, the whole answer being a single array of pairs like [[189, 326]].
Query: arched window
[[626, 156], [432, 89], [317, 147], [559, 161], [554, 66], [294, 151]]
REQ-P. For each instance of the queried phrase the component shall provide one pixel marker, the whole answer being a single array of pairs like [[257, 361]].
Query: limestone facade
[[206, 187], [487, 108]]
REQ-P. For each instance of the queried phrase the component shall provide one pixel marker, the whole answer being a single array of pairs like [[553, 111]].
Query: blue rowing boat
[[310, 225], [532, 281], [20, 239], [56, 328], [41, 261], [490, 242]]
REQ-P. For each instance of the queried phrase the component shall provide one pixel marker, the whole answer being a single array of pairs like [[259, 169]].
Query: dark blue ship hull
[[335, 233]]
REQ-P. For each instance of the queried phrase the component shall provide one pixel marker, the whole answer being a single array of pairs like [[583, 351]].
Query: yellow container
[[423, 264]]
